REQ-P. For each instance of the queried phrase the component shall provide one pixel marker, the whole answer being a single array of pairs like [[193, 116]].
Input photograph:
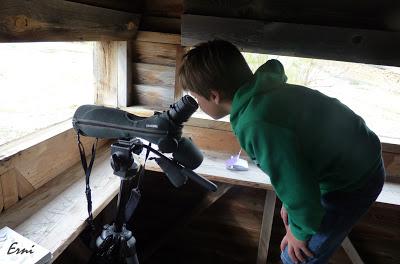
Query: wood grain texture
[[351, 251], [180, 52], [213, 168], [24, 187], [155, 53], [1, 197], [354, 14], [55, 214], [124, 73], [121, 5], [158, 37], [161, 8], [160, 24], [31, 168], [157, 75], [105, 68], [10, 188], [266, 227], [157, 97], [213, 140], [57, 20], [334, 43]]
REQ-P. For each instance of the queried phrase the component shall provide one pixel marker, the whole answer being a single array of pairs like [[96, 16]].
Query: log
[[57, 20], [289, 39]]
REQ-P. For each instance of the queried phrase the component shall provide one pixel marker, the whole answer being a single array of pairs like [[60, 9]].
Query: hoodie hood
[[269, 76]]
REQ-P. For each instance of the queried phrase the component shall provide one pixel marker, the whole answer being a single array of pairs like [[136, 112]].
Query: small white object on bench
[[236, 163]]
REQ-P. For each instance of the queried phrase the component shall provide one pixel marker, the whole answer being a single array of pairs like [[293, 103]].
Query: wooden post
[[58, 20], [351, 251], [266, 227], [124, 73], [112, 71], [180, 51]]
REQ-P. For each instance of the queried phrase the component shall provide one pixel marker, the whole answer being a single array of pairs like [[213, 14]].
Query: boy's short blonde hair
[[214, 65]]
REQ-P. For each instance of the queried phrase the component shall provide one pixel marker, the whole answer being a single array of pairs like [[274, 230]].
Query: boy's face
[[211, 107]]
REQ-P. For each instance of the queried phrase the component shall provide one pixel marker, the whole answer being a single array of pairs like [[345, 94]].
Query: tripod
[[116, 244]]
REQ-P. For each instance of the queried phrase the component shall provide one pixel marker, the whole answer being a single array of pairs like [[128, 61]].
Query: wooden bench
[[55, 214]]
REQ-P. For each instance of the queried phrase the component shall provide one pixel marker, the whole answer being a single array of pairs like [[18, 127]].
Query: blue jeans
[[342, 211]]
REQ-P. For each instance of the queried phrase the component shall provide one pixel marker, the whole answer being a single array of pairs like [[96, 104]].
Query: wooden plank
[[390, 145], [390, 193], [1, 198], [8, 150], [352, 14], [266, 227], [57, 20], [24, 187], [160, 24], [55, 214], [124, 73], [351, 251], [157, 97], [184, 220], [171, 8], [213, 140], [158, 37], [43, 162], [180, 52], [113, 73], [10, 188], [392, 165], [105, 70], [155, 53], [334, 43], [213, 168], [202, 120], [157, 75], [122, 5]]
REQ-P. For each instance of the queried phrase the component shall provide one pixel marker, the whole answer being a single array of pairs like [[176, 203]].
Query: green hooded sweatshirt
[[306, 142]]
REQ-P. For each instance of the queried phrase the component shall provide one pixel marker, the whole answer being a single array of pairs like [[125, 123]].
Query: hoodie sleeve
[[276, 150]]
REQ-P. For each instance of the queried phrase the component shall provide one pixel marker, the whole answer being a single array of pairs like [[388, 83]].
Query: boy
[[324, 163]]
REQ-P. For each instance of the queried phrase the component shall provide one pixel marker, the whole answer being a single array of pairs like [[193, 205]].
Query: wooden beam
[[24, 186], [351, 251], [180, 51], [105, 69], [351, 14], [157, 97], [57, 20], [1, 197], [160, 24], [152, 74], [155, 53], [10, 188], [55, 214], [158, 37], [124, 73], [266, 227], [205, 203], [333, 43]]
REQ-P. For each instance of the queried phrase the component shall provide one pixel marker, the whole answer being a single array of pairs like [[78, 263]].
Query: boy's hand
[[296, 248], [284, 216]]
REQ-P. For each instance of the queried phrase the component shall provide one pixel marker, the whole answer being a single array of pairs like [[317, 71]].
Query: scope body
[[163, 128]]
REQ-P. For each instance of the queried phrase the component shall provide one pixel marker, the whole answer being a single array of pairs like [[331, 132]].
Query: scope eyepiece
[[180, 111]]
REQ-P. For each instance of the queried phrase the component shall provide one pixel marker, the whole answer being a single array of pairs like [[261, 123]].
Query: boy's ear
[[215, 97]]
